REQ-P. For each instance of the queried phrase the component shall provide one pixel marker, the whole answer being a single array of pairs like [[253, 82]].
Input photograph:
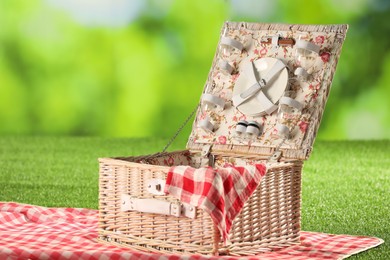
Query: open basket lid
[[267, 89]]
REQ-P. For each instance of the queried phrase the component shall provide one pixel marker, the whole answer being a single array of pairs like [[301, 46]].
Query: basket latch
[[275, 157], [156, 186], [207, 157]]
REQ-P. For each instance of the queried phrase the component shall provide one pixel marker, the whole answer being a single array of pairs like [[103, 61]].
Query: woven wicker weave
[[270, 218]]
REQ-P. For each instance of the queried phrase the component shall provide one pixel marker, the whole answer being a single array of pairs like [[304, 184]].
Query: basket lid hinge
[[277, 155], [207, 157]]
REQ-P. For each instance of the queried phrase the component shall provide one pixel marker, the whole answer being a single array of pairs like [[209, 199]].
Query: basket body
[[271, 216], [269, 219]]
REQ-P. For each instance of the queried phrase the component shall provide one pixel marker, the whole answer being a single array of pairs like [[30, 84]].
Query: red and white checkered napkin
[[32, 232], [220, 192]]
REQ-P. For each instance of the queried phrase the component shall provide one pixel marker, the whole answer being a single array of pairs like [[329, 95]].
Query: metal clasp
[[175, 209], [275, 157], [208, 158], [156, 186], [206, 150]]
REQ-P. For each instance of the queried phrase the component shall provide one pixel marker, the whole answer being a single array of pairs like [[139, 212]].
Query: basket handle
[[177, 209]]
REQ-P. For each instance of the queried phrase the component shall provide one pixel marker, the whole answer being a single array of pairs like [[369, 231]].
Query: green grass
[[346, 184]]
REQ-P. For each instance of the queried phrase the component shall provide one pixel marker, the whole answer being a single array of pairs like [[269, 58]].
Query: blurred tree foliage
[[61, 75]]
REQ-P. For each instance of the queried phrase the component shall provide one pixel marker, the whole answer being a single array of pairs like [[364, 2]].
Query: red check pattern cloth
[[33, 232], [220, 192]]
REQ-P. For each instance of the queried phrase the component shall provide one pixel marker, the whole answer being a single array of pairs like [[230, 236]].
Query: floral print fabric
[[312, 92]]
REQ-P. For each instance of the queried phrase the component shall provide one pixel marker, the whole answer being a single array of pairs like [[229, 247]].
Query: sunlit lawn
[[346, 184]]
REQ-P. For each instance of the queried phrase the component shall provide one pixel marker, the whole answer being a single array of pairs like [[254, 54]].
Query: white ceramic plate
[[273, 90]]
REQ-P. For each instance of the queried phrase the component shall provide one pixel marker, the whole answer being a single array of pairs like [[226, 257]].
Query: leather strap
[[162, 207], [213, 100], [302, 44], [224, 65], [231, 42], [291, 102], [205, 124]]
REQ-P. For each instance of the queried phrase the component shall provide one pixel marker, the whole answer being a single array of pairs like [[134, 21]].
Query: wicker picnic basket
[[135, 213]]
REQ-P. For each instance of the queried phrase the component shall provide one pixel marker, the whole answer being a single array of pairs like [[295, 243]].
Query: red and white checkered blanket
[[220, 192], [32, 232]]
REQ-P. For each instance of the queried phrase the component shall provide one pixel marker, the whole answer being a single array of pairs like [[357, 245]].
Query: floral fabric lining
[[311, 92]]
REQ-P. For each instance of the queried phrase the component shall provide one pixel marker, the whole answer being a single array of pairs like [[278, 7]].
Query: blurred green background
[[136, 68]]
